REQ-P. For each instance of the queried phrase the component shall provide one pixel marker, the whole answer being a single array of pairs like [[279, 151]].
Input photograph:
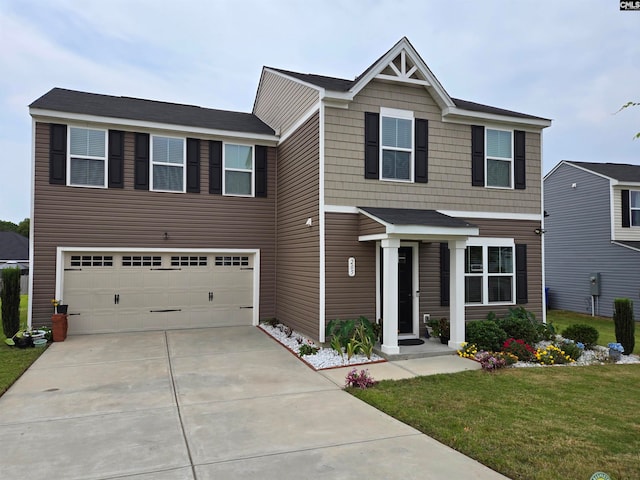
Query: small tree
[[624, 324], [10, 295]]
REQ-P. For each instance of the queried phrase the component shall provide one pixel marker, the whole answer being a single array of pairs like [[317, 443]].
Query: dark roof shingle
[[623, 172], [409, 216], [13, 246], [71, 101]]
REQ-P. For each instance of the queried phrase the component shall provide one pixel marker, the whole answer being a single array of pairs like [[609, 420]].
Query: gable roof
[[13, 246], [344, 89], [72, 101], [622, 172], [422, 218]]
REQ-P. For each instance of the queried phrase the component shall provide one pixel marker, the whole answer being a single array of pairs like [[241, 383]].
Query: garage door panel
[[111, 292]]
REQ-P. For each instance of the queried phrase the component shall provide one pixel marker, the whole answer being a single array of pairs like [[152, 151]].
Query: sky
[[573, 62]]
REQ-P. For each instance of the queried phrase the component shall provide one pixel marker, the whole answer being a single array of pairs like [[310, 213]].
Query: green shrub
[[10, 295], [571, 349], [519, 328], [486, 335], [307, 349], [546, 331], [580, 332], [624, 324], [357, 336]]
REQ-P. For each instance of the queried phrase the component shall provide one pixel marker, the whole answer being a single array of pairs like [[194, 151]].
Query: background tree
[[628, 105], [23, 228]]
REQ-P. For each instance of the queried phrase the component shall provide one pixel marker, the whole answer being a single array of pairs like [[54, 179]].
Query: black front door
[[405, 290]]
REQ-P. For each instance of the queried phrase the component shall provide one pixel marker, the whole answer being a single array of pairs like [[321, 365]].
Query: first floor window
[[489, 272], [635, 207], [499, 153], [87, 157], [167, 164], [238, 170]]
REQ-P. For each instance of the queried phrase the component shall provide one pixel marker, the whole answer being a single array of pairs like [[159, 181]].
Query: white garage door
[[119, 292]]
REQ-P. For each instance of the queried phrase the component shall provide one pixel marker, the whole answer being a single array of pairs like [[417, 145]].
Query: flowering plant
[[552, 355], [616, 347], [520, 349], [360, 380], [55, 302], [468, 350], [492, 361]]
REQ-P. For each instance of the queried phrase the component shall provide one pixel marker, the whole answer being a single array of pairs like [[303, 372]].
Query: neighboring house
[[381, 196], [14, 252], [593, 227]]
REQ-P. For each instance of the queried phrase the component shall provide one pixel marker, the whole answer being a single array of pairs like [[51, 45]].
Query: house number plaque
[[352, 266]]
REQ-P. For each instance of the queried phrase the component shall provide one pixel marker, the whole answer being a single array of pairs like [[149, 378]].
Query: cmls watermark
[[630, 5]]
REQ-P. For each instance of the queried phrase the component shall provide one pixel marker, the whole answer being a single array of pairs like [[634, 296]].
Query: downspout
[[544, 280], [31, 222], [321, 222]]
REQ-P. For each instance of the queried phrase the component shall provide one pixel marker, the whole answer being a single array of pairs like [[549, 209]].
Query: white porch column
[[456, 292], [390, 295]]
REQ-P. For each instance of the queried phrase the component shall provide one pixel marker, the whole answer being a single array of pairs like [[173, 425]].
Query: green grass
[[527, 423], [561, 319], [14, 361]]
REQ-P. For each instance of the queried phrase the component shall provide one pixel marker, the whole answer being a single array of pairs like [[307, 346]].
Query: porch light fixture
[[539, 231]]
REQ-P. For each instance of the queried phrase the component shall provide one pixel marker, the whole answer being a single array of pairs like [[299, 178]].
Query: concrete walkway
[[220, 403]]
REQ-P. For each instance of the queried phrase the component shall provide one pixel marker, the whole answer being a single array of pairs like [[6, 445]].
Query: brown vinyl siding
[[281, 102], [369, 226], [348, 297], [522, 231], [96, 217], [298, 246], [449, 186]]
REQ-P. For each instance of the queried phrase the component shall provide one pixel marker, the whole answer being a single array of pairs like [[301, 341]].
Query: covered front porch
[[398, 234]]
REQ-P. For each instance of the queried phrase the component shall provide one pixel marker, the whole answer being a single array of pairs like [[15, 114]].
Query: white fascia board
[[47, 115], [420, 230], [622, 183], [558, 165], [340, 209], [458, 115], [580, 167], [297, 80], [536, 217], [374, 237], [374, 218], [301, 121]]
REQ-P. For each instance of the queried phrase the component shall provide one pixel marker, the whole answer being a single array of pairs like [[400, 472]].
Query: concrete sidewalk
[[217, 403]]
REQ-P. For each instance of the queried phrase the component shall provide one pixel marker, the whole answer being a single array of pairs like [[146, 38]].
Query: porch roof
[[413, 223]]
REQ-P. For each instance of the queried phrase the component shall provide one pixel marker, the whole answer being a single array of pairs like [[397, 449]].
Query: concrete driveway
[[219, 403]]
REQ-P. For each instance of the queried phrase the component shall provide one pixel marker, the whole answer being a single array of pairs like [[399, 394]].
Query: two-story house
[[381, 196], [592, 239]]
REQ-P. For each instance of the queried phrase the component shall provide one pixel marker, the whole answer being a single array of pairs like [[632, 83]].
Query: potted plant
[[59, 306]]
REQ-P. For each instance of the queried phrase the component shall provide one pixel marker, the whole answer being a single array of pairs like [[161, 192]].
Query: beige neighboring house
[[380, 196]]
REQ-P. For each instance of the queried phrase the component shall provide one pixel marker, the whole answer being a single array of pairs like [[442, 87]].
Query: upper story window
[[635, 207], [87, 157], [167, 164], [396, 146], [489, 272], [499, 158], [238, 170]]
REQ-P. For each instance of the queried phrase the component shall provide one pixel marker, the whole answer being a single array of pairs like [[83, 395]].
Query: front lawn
[[527, 423], [14, 361]]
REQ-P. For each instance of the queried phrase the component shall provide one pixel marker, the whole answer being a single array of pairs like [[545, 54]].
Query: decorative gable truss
[[403, 68]]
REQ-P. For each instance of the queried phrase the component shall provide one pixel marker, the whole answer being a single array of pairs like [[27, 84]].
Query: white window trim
[[105, 159], [404, 115], [152, 163], [632, 209], [252, 171], [487, 158], [485, 243]]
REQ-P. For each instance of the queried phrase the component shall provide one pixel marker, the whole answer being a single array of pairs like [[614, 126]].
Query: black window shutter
[[141, 162], [422, 150], [521, 274], [193, 165], [215, 167], [261, 171], [519, 166], [371, 145], [58, 154], [116, 159], [477, 156], [444, 274], [626, 212]]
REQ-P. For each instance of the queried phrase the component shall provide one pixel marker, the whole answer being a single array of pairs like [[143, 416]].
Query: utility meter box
[[594, 283]]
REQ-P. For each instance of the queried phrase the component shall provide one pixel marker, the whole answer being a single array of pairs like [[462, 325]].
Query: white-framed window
[[238, 161], [489, 273], [87, 157], [396, 145], [634, 205], [499, 158], [168, 157]]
